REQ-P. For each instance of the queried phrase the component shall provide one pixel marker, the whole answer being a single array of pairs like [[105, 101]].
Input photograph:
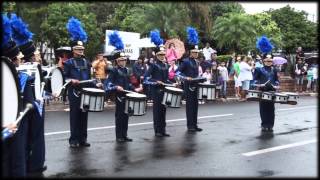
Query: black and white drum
[[267, 96], [54, 80], [92, 99], [35, 71], [135, 104], [172, 97], [253, 95], [10, 95], [280, 98], [292, 98], [206, 91]]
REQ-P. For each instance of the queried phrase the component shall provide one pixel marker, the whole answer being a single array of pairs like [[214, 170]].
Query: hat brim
[[78, 47], [195, 50], [161, 52]]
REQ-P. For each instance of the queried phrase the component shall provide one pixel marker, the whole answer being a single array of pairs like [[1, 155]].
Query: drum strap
[[80, 67]]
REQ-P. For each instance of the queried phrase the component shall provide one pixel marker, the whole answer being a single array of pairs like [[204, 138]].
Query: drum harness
[[76, 92]]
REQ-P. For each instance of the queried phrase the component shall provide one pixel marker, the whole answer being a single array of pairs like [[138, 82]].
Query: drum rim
[[169, 89], [206, 85], [15, 76], [83, 91], [132, 97]]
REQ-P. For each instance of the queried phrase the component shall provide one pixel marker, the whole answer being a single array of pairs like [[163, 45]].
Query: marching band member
[[117, 81], [189, 69], [76, 69], [266, 75], [15, 153], [36, 140], [156, 76]]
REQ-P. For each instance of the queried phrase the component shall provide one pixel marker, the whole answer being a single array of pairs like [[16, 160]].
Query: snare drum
[[292, 98], [253, 95], [92, 99], [280, 98], [207, 91], [267, 96], [136, 104], [172, 97]]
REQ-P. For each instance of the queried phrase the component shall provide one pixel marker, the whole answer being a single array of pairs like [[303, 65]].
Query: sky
[[255, 7]]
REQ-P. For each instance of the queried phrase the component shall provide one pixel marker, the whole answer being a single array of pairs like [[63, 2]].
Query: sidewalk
[[59, 106]]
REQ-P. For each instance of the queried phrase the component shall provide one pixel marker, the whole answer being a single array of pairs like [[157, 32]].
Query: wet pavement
[[231, 129]]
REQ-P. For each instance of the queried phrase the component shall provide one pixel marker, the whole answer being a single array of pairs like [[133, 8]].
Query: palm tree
[[169, 18], [231, 30]]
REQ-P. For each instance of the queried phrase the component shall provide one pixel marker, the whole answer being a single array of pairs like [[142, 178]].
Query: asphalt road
[[231, 144]]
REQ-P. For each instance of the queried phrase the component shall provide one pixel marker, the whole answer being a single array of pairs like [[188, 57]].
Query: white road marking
[[138, 124], [276, 148], [288, 109]]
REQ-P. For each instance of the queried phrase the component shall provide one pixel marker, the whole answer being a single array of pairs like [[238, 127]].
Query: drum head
[[37, 84], [174, 89], [57, 80], [10, 92], [136, 95], [93, 90]]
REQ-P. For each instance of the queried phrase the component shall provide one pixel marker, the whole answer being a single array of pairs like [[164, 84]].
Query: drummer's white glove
[[276, 87], [75, 81], [119, 88], [138, 89], [12, 127], [175, 84], [99, 85], [160, 82], [189, 78]]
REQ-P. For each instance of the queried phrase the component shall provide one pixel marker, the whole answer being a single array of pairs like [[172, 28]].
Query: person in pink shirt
[[171, 53]]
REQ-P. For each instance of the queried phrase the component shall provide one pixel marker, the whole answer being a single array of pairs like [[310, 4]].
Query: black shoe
[[128, 139], [264, 129], [192, 130], [159, 135], [40, 170], [121, 140], [165, 134], [198, 129], [85, 144], [74, 145], [270, 129]]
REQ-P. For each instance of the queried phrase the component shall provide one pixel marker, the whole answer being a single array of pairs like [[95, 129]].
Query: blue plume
[[192, 36], [115, 40], [155, 37], [264, 45], [7, 32], [20, 33], [76, 32]]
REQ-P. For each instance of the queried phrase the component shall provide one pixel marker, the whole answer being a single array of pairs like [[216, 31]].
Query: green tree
[[264, 25], [55, 31], [295, 28], [232, 30]]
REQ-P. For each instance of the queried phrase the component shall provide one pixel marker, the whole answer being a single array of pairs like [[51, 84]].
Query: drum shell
[[267, 96], [92, 101], [172, 98], [280, 98], [135, 106], [207, 91], [253, 95], [292, 98]]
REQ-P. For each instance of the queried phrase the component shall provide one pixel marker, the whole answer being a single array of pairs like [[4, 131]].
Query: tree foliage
[[232, 30], [295, 28], [55, 31]]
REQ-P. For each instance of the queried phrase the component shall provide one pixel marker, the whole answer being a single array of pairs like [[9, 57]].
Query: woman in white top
[[245, 75]]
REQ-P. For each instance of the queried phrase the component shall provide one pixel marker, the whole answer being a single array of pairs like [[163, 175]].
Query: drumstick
[[6, 132]]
